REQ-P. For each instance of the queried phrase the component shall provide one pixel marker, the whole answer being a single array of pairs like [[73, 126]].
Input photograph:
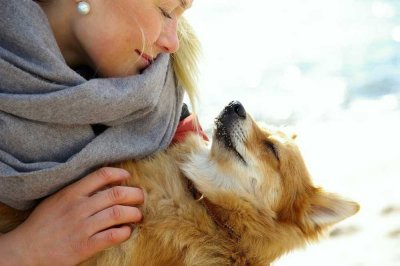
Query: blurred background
[[331, 71]]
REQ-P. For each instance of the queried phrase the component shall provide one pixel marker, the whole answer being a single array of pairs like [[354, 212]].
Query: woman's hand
[[77, 222]]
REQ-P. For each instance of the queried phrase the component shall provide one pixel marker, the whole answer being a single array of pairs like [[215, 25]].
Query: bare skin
[[112, 37], [75, 223]]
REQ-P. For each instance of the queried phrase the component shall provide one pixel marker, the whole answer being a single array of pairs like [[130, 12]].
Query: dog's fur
[[259, 201]]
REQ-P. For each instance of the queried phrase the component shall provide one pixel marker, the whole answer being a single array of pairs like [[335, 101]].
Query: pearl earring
[[83, 8]]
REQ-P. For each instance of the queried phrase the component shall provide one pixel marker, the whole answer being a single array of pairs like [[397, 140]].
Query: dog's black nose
[[237, 108], [232, 113]]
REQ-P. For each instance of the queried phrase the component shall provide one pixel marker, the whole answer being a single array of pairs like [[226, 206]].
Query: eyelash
[[165, 13]]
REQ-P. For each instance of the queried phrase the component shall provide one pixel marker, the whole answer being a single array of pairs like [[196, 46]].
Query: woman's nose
[[168, 40]]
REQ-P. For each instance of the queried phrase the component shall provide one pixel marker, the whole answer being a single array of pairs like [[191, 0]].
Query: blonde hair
[[185, 60]]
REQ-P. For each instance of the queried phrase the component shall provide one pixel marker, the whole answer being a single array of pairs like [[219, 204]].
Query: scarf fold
[[47, 111]]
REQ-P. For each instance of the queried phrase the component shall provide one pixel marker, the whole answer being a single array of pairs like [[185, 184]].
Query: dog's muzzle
[[226, 122]]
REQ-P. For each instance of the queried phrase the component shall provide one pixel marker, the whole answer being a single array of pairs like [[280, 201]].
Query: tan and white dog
[[246, 199]]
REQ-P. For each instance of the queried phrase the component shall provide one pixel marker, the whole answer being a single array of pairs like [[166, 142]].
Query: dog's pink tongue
[[186, 126]]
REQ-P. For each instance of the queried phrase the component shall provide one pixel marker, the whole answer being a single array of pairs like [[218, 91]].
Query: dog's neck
[[212, 210], [219, 217]]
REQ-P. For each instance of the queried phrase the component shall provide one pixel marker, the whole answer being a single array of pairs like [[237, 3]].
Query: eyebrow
[[184, 3]]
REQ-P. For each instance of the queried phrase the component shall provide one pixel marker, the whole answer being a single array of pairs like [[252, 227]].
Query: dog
[[245, 199]]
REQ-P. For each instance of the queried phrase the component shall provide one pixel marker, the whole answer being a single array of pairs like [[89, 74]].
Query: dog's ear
[[327, 209]]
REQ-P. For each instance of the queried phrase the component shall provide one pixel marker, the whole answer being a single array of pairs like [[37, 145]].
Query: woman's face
[[122, 37]]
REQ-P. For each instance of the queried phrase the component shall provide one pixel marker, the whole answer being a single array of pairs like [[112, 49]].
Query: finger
[[99, 179], [109, 238], [115, 215], [117, 195]]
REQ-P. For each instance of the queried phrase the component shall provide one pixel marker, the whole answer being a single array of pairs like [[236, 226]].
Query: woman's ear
[[327, 209]]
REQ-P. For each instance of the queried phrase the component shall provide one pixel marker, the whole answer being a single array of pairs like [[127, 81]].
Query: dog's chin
[[230, 132], [224, 140]]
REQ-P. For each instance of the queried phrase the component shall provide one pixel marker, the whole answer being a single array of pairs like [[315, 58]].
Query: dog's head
[[257, 178]]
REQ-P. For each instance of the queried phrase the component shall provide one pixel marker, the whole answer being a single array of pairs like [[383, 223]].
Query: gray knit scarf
[[50, 115]]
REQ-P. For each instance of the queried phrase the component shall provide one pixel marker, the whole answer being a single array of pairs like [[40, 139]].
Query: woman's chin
[[120, 72]]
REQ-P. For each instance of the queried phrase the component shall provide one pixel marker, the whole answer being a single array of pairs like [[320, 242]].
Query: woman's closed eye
[[165, 13]]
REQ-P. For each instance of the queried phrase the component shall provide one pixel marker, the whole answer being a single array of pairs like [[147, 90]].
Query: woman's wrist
[[14, 251]]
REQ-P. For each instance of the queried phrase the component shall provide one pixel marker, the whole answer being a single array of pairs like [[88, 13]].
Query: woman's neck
[[60, 14]]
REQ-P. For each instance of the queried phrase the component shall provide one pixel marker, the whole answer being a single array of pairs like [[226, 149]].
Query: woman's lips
[[147, 58]]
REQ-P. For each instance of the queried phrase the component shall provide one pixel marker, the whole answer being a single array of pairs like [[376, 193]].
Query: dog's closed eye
[[272, 148]]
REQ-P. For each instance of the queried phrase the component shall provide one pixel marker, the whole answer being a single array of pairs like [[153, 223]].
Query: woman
[[58, 126]]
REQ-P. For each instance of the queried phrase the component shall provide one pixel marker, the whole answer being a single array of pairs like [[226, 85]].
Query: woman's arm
[[10, 251], [75, 223]]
